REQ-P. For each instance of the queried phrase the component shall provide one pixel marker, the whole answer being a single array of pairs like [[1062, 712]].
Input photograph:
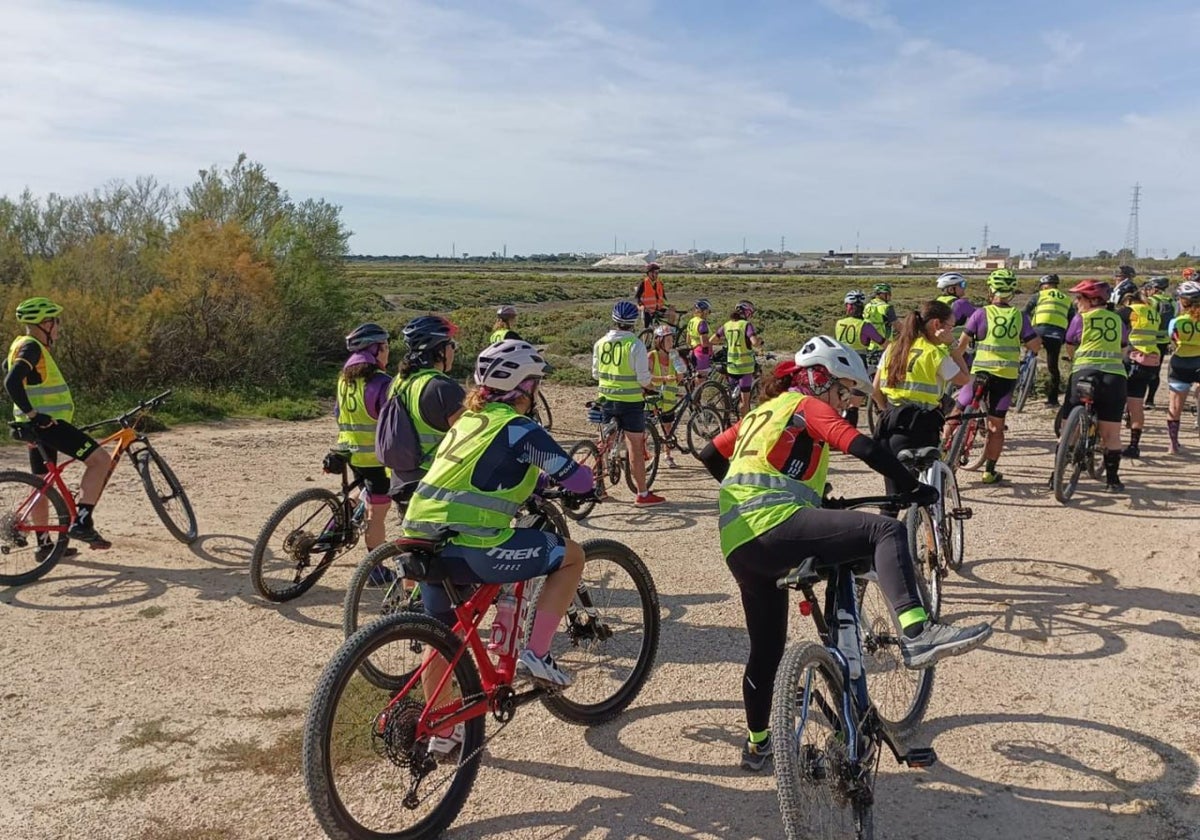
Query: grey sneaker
[[754, 756], [937, 641], [543, 669]]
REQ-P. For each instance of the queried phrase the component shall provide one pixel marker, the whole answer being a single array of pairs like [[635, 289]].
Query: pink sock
[[545, 623]]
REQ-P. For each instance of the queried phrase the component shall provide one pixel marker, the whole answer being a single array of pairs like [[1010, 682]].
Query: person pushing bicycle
[[772, 466], [42, 399]]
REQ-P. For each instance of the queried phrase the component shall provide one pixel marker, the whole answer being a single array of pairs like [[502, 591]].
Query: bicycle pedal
[[961, 514], [920, 757]]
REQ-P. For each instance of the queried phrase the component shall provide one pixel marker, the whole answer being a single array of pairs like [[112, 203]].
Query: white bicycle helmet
[[506, 364], [951, 279], [854, 298], [1188, 289], [837, 358]]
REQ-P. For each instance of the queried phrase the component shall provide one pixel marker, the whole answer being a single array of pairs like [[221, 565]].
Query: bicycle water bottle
[[504, 626], [848, 644]]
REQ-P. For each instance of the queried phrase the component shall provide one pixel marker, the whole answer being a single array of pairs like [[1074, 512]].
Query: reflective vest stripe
[[467, 497], [1052, 308], [1096, 351]]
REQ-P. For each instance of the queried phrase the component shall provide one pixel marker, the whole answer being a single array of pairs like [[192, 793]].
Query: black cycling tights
[[759, 563]]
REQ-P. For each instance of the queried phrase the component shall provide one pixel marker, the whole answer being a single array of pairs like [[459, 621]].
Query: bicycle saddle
[[919, 458], [420, 558], [806, 574]]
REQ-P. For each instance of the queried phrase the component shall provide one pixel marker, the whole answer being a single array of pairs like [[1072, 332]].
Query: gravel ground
[[148, 693]]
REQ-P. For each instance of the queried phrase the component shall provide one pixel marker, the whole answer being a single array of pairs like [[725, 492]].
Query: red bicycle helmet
[[1092, 288]]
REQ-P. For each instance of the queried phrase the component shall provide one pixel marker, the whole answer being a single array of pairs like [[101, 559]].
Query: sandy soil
[[1079, 718]]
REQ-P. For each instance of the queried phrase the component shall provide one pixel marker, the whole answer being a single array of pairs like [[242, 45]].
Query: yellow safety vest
[[618, 379], [498, 335], [998, 351], [921, 383], [1100, 346], [950, 300], [739, 358], [755, 497], [849, 331], [662, 376], [1052, 308], [52, 396], [445, 499], [1186, 335], [1166, 311], [694, 336], [1144, 322], [356, 427]]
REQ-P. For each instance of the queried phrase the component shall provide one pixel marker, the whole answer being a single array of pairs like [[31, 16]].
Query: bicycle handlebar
[[127, 418]]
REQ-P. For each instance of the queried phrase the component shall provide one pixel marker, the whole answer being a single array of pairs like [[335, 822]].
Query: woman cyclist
[[952, 288], [772, 466], [486, 467], [740, 340], [362, 389], [700, 340], [1184, 371], [502, 330], [1139, 312], [916, 369], [666, 373], [857, 333], [1097, 344]]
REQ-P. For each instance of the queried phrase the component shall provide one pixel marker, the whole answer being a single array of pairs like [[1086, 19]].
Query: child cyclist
[[699, 340]]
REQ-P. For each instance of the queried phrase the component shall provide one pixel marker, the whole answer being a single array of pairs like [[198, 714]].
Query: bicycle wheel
[[954, 536], [541, 411], [704, 425], [1094, 454], [376, 590], [366, 773], [586, 453], [646, 336], [975, 445], [167, 495], [1025, 385], [713, 395], [901, 696], [609, 637], [821, 794], [873, 415], [298, 543], [678, 439], [22, 559], [1068, 458], [653, 444], [923, 548]]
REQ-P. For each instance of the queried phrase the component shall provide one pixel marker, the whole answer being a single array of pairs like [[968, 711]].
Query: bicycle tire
[[585, 452], [148, 461], [1094, 459], [683, 413], [713, 395], [653, 444], [295, 549], [704, 425], [901, 695], [540, 413], [646, 336], [327, 736], [873, 415], [955, 531], [1025, 385], [1068, 463], [809, 776], [371, 594], [19, 563], [922, 547], [614, 617], [976, 444]]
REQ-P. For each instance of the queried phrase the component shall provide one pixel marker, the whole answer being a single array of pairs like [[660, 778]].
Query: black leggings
[[756, 566], [908, 427], [1052, 345]]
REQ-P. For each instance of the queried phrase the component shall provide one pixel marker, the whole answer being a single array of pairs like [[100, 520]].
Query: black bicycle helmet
[[428, 332], [366, 335]]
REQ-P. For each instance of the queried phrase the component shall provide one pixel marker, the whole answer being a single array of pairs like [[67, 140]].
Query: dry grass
[[276, 713], [166, 831], [133, 783], [151, 612], [281, 758], [154, 733]]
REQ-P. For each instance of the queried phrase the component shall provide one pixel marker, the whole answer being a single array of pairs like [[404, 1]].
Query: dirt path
[[152, 675]]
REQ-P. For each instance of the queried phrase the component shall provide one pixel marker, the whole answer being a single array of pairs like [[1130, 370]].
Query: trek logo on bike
[[513, 554]]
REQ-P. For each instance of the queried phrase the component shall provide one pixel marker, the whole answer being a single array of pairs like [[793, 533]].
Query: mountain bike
[[377, 587], [730, 402], [966, 429], [829, 732], [1077, 444], [374, 763], [936, 536], [307, 532], [666, 315], [30, 548], [608, 457], [700, 423], [1026, 379]]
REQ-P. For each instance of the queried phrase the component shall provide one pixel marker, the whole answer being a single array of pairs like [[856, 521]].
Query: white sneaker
[[543, 669], [444, 746]]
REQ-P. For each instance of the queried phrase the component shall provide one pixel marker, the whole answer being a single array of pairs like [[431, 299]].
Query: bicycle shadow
[[613, 520], [223, 549]]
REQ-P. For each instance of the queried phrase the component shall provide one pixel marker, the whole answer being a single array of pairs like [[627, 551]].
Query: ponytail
[[911, 328]]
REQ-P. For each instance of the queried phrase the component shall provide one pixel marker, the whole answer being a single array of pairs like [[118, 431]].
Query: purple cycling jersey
[[977, 326]]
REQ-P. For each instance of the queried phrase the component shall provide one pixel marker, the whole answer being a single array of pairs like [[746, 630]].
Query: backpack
[[396, 444]]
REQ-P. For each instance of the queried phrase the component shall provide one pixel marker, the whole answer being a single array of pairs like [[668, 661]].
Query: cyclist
[[431, 400], [953, 288], [1140, 316], [506, 319], [857, 334], [772, 466], [1184, 370], [699, 340], [999, 330], [880, 312], [650, 294], [920, 363], [621, 365], [42, 399], [1166, 311], [483, 471], [362, 389], [1099, 341], [740, 339], [1051, 311], [666, 374]]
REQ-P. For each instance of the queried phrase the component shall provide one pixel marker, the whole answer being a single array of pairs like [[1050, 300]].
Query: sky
[[546, 126]]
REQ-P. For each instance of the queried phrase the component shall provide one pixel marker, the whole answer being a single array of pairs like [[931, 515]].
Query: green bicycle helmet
[[1002, 282], [882, 289], [37, 309]]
